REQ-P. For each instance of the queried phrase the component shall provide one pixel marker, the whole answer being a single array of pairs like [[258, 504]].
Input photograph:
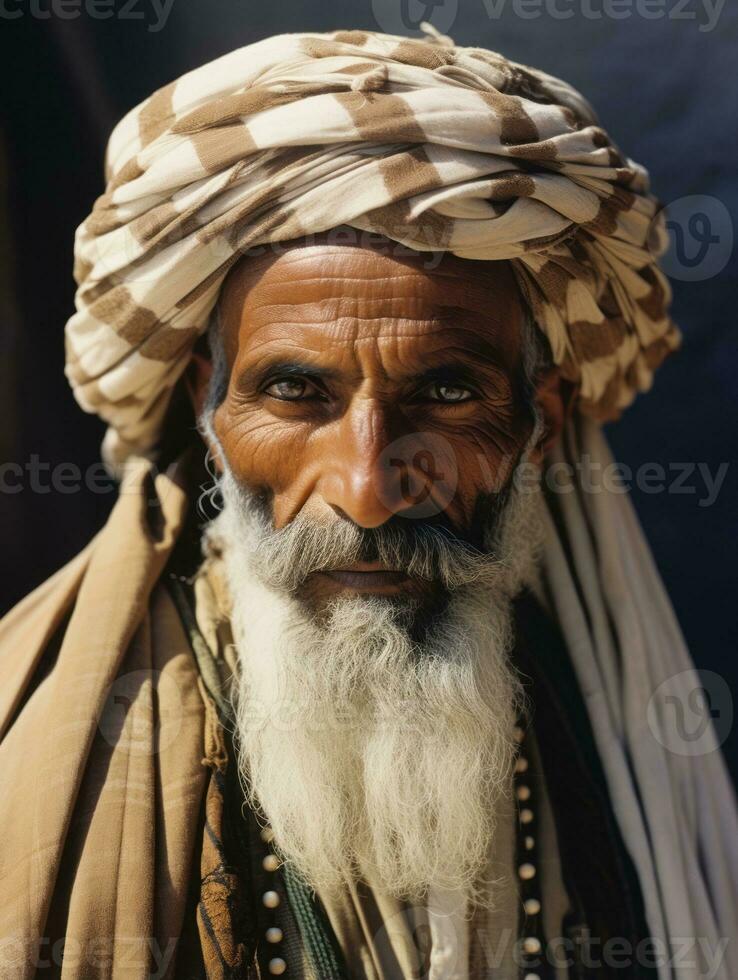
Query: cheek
[[485, 457], [264, 452]]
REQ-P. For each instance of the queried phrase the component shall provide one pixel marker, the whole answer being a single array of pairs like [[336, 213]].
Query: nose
[[374, 471]]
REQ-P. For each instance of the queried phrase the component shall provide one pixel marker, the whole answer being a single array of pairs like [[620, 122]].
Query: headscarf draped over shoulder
[[436, 146]]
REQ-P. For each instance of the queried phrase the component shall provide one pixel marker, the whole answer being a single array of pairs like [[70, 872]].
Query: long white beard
[[372, 755]]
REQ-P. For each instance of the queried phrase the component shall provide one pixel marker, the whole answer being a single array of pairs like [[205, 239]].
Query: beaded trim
[[533, 964], [271, 900]]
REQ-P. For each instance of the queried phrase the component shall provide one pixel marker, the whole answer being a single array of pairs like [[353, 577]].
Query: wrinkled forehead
[[370, 287]]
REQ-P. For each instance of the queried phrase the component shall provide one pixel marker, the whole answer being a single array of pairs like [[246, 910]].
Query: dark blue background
[[664, 89]]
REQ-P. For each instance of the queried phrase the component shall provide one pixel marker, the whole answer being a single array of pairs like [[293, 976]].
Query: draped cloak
[[110, 744]]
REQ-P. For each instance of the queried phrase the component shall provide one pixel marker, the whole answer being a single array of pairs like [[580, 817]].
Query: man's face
[[372, 387]]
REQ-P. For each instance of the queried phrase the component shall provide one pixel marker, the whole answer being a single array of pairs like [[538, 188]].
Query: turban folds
[[435, 146]]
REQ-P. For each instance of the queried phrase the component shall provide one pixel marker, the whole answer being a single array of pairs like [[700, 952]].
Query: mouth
[[369, 577]]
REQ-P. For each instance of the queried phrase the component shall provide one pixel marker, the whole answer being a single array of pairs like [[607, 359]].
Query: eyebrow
[[455, 371], [452, 371], [287, 369]]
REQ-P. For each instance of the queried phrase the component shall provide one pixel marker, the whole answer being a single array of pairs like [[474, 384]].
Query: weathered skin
[[357, 375]]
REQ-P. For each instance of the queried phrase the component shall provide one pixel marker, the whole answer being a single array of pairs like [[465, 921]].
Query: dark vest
[[607, 912]]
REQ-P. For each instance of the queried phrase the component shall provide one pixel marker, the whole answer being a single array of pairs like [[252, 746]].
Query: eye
[[449, 394], [291, 389]]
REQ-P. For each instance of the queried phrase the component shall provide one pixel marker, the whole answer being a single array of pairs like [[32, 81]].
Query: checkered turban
[[435, 146]]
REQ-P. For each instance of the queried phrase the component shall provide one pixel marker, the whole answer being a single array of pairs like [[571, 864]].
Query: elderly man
[[377, 697]]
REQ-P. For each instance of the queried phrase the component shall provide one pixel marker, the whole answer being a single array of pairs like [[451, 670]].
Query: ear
[[196, 379], [555, 399]]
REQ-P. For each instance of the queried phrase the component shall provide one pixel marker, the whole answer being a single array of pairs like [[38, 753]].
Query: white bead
[[529, 843], [267, 834], [521, 764], [518, 734], [526, 815], [270, 900], [527, 871], [523, 792], [532, 906], [531, 945], [274, 935], [277, 966], [270, 862], [531, 976]]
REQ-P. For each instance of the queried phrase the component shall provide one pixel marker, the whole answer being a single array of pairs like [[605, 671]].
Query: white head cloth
[[436, 146], [676, 810]]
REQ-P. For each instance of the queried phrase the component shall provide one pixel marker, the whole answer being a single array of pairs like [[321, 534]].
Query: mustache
[[431, 549]]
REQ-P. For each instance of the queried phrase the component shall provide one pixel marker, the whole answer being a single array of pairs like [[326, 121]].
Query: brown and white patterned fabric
[[435, 146]]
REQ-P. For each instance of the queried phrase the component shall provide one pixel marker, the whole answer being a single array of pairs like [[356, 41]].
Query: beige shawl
[[101, 775]]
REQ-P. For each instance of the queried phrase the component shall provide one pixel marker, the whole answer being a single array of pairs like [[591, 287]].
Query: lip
[[368, 578]]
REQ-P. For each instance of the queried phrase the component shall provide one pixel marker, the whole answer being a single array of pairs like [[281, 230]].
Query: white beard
[[372, 756]]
